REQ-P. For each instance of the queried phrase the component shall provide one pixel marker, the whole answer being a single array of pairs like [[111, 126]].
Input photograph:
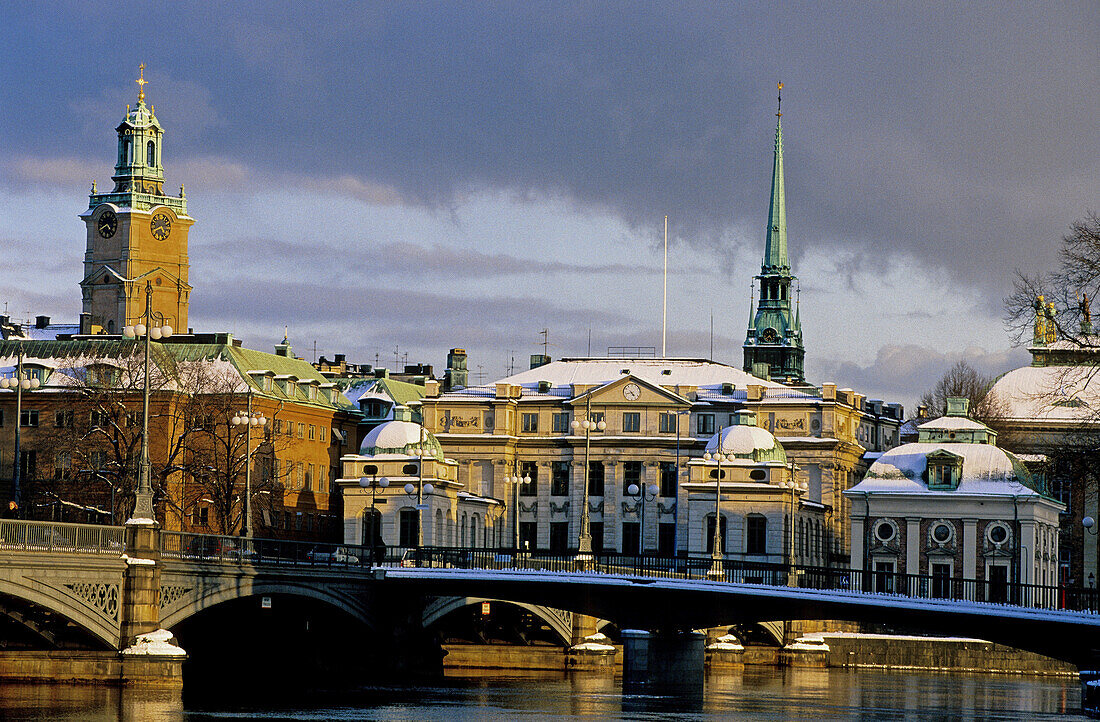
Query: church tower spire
[[773, 346], [136, 233]]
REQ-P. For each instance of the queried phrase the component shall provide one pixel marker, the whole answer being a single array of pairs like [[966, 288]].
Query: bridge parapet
[[49, 537]]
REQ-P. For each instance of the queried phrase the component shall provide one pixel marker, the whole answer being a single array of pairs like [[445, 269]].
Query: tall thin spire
[[775, 250]]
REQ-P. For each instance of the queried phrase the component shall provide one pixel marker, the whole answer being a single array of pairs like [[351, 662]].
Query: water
[[764, 694]]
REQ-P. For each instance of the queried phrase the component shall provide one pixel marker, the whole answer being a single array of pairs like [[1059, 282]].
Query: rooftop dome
[[400, 437], [986, 469], [746, 440]]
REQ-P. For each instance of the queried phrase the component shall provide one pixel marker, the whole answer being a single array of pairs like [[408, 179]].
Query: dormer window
[[944, 470]]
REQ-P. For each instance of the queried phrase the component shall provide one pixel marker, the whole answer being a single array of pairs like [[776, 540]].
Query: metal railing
[[60, 537]]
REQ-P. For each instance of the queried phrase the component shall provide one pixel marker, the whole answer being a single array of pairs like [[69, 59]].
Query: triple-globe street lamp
[[156, 330], [642, 494], [584, 543], [373, 483], [515, 480], [420, 488], [717, 568], [248, 419]]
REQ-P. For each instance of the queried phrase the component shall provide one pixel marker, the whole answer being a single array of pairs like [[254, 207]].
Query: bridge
[[107, 585]]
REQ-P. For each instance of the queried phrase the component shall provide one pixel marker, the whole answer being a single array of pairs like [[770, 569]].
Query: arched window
[[710, 533], [473, 531], [151, 153], [124, 154], [372, 527], [437, 539], [407, 527]]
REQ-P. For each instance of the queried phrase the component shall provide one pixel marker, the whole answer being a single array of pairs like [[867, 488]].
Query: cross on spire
[[141, 81], [779, 111]]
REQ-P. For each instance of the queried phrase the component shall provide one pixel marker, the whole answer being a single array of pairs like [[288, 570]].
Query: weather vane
[[779, 113], [141, 81]]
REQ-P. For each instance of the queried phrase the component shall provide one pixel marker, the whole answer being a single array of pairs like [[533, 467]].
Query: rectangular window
[[559, 478], [632, 537], [668, 479], [28, 417], [97, 459], [97, 419], [668, 423], [1, 417], [704, 423], [528, 535], [322, 482], [632, 422], [309, 478], [596, 417], [596, 530], [63, 419], [530, 423], [324, 433], [941, 581], [28, 463], [666, 538], [301, 474], [559, 536], [312, 432], [561, 423], [407, 526], [884, 577], [529, 469], [632, 474], [301, 430], [277, 426], [62, 463], [595, 478], [756, 534]]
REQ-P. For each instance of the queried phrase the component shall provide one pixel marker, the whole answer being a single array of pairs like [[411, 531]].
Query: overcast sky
[[417, 176]]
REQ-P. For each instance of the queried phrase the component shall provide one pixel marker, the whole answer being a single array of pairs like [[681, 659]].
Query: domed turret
[[400, 437], [745, 440]]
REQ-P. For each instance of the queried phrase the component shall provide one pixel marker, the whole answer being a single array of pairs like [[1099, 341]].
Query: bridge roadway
[[114, 582]]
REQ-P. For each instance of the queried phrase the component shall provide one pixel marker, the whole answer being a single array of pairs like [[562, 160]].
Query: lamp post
[[515, 480], [584, 543], [19, 382], [648, 493], [420, 489], [794, 488], [676, 516], [375, 484], [143, 501], [717, 568], [248, 419]]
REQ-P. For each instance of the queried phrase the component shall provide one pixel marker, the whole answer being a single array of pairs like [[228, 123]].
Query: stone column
[[1027, 547], [140, 612], [912, 551]]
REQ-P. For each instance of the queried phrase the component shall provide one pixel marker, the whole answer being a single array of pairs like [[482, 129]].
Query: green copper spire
[[773, 344], [775, 250]]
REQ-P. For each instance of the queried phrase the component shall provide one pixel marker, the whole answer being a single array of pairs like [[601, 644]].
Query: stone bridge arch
[[182, 598], [558, 620], [93, 604]]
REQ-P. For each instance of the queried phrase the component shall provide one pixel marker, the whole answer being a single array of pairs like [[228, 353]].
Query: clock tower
[[773, 345], [136, 234]]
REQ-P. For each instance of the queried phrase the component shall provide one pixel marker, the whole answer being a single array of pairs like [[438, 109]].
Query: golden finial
[[779, 112], [141, 81], [93, 187]]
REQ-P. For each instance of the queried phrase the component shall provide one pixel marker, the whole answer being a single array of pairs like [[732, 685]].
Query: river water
[[765, 694]]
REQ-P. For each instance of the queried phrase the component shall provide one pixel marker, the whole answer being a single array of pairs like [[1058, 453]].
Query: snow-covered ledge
[[159, 643]]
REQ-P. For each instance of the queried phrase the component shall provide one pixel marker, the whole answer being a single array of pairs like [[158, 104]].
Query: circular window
[[884, 531], [758, 475], [942, 533], [997, 533]]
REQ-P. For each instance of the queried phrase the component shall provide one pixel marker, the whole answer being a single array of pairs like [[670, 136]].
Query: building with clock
[[136, 234], [773, 344]]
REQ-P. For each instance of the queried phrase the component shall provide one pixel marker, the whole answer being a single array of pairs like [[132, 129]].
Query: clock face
[[107, 223], [161, 225], [632, 392], [770, 335]]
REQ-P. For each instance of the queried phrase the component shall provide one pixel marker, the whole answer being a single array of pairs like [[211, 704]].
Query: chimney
[[85, 324], [41, 321]]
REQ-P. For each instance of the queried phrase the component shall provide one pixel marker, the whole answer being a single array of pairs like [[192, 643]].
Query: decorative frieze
[[559, 508], [100, 595]]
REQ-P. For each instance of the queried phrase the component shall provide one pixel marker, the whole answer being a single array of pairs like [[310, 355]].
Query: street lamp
[[143, 501], [584, 544], [795, 489], [248, 419], [515, 480], [717, 568], [648, 493], [676, 515], [374, 483], [20, 382], [420, 489]]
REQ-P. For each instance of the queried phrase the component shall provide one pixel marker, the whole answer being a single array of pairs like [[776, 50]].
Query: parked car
[[337, 555]]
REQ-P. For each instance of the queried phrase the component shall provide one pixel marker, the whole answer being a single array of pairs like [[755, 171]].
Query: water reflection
[[754, 694]]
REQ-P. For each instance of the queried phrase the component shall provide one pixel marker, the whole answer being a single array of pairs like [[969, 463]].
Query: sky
[[390, 180]]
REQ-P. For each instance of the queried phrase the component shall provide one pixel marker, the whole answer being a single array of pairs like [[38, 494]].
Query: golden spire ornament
[[141, 81]]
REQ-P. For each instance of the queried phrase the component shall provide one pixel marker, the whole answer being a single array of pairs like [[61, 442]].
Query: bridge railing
[[48, 536]]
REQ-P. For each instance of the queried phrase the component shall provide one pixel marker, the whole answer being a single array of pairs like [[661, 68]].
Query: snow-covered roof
[[747, 442], [596, 371], [396, 437], [987, 469], [1055, 393], [953, 423]]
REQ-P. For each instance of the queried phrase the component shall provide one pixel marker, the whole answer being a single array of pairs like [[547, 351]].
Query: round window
[[941, 533], [758, 475], [884, 531], [998, 534]]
